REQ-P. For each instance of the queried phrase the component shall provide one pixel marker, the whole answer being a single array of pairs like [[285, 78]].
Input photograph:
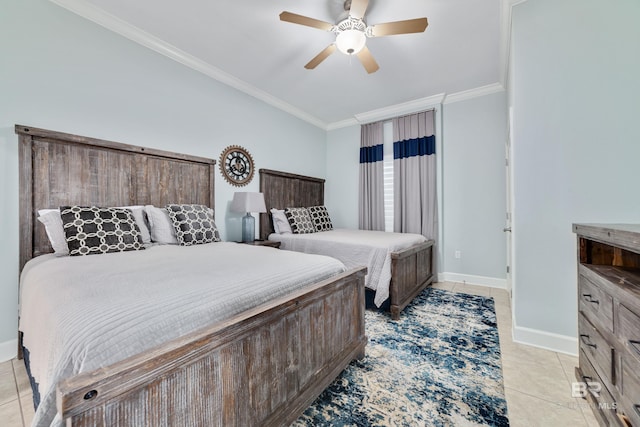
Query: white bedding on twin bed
[[81, 313], [355, 248]]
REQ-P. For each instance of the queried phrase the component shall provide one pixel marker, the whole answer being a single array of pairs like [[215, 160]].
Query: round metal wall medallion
[[236, 165]]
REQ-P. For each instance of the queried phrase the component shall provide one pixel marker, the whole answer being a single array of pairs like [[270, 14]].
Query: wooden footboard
[[263, 367], [411, 271]]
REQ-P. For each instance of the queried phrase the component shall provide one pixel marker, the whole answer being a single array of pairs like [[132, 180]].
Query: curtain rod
[[404, 115]]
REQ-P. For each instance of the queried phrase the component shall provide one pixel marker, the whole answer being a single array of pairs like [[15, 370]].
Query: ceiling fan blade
[[367, 60], [358, 8], [417, 25], [305, 20], [320, 57]]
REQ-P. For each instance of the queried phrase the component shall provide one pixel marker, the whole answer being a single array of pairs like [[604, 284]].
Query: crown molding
[[342, 124], [473, 93], [506, 12], [400, 109], [110, 22], [416, 105]]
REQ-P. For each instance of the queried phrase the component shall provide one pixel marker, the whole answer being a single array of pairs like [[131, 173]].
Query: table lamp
[[248, 202]]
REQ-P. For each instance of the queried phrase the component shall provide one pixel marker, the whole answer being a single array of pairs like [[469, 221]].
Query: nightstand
[[270, 243]]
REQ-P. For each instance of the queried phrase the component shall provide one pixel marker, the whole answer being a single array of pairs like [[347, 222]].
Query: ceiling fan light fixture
[[350, 42]]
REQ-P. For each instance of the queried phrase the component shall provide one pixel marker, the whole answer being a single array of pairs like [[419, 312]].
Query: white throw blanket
[[82, 313], [355, 248]]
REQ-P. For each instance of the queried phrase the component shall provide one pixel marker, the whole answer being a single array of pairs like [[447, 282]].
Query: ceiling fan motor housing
[[351, 35]]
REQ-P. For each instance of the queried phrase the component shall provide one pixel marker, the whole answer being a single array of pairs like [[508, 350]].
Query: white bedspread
[[82, 313], [355, 248]]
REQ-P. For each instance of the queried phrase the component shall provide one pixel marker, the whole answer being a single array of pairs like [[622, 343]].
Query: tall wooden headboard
[[58, 169], [287, 190]]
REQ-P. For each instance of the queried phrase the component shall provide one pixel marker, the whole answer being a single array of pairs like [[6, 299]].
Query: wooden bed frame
[[261, 367], [411, 269]]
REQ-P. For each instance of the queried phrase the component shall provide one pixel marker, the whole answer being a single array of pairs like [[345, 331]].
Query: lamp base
[[248, 228]]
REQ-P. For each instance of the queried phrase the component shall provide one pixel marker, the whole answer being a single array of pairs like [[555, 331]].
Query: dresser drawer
[[630, 387], [629, 330], [596, 304], [596, 348], [599, 398]]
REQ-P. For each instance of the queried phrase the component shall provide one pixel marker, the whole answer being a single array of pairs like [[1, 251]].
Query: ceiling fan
[[352, 32]]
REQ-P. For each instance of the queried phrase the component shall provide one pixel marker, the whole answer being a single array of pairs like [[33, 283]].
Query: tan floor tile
[[542, 378], [505, 327], [500, 293], [447, 286], [528, 411], [5, 368], [10, 414], [26, 404], [8, 390], [502, 309], [530, 353], [501, 296], [473, 289], [589, 418], [569, 364], [506, 337], [22, 379]]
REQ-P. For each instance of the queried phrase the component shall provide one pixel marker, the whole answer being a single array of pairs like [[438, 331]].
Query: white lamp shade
[[351, 42], [248, 202]]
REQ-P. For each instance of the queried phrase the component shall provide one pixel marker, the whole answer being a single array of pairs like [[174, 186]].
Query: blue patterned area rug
[[439, 365]]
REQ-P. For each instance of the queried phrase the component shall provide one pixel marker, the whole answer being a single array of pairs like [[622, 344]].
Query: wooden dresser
[[608, 374]]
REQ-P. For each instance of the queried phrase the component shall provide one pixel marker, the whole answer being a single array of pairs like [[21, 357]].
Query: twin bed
[[399, 266], [145, 337]]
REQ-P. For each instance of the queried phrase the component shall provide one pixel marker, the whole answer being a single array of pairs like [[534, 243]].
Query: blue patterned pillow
[[93, 230], [194, 224]]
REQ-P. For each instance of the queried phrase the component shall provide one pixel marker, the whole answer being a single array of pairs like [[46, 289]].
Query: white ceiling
[[244, 44]]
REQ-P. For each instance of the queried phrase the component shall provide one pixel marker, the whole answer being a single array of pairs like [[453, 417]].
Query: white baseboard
[[546, 340], [491, 282], [8, 350]]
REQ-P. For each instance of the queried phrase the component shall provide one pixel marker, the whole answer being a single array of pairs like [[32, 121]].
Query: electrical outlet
[[458, 254]]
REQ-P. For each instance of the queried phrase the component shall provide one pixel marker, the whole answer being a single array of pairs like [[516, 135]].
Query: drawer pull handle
[[637, 408], [635, 345], [587, 341], [589, 298]]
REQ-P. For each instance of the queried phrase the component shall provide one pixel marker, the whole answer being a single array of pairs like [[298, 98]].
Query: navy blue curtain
[[424, 146]]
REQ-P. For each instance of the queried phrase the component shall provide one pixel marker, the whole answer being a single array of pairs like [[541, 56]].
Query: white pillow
[[55, 229], [276, 228], [280, 222], [138, 216], [162, 230]]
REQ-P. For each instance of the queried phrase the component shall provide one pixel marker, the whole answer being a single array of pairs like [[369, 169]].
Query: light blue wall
[[474, 191], [343, 174], [576, 98], [472, 159], [61, 72]]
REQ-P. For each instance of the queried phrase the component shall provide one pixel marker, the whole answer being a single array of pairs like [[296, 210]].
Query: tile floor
[[537, 382]]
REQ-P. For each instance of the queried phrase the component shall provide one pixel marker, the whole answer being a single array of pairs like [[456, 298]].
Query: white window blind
[[388, 176]]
